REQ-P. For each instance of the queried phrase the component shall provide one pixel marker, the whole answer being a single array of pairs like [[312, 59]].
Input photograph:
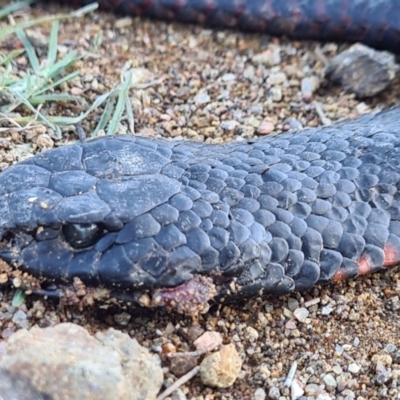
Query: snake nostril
[[80, 236]]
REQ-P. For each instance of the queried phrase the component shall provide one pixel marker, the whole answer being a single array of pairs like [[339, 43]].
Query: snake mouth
[[12, 245]]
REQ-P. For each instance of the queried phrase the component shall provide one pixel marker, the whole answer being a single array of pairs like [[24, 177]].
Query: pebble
[[252, 334], [382, 374], [312, 389], [264, 371], [390, 348], [274, 393], [276, 78], [259, 394], [122, 319], [228, 77], [180, 365], [208, 341], [202, 98], [330, 381], [384, 359], [265, 128], [308, 86], [269, 57], [229, 126], [325, 396], [109, 365], [296, 390], [301, 314], [354, 368], [293, 304], [275, 94], [221, 369], [292, 123], [20, 319], [337, 369]]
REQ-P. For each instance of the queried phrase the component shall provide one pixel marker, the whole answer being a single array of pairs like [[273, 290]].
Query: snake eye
[[80, 236]]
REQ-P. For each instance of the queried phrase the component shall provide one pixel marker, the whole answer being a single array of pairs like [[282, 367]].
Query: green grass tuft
[[41, 84]]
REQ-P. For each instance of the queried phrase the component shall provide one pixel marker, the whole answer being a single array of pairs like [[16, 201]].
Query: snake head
[[84, 210]]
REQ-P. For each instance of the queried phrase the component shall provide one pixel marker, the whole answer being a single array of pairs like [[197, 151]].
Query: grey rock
[[362, 70], [66, 362]]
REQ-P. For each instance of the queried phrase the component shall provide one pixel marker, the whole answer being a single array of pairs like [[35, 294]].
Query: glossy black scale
[[278, 214]]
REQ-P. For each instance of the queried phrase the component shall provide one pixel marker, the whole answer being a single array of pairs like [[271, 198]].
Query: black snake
[[187, 222]]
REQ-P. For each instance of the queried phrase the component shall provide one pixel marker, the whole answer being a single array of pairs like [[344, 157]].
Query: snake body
[[183, 220], [188, 222], [373, 22]]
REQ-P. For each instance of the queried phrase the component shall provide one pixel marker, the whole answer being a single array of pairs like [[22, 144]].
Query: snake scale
[[185, 223]]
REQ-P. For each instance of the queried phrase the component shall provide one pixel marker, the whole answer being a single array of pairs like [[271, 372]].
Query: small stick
[[183, 379]]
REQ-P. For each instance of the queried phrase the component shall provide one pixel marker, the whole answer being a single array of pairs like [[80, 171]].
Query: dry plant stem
[[185, 378]]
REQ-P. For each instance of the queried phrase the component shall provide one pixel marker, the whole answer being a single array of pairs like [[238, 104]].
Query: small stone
[[269, 57], [228, 77], [293, 304], [265, 128], [264, 371], [275, 94], [20, 319], [229, 126], [276, 78], [292, 123], [324, 396], [180, 365], [291, 325], [121, 23], [208, 341], [3, 278], [349, 394], [384, 359], [259, 394], [390, 348], [312, 389], [17, 282], [253, 121], [168, 348], [309, 85], [330, 381], [221, 369], [301, 314], [122, 319], [382, 374], [44, 141], [253, 334], [296, 390], [202, 98], [337, 369], [354, 368], [327, 310], [178, 395], [274, 393], [339, 349]]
